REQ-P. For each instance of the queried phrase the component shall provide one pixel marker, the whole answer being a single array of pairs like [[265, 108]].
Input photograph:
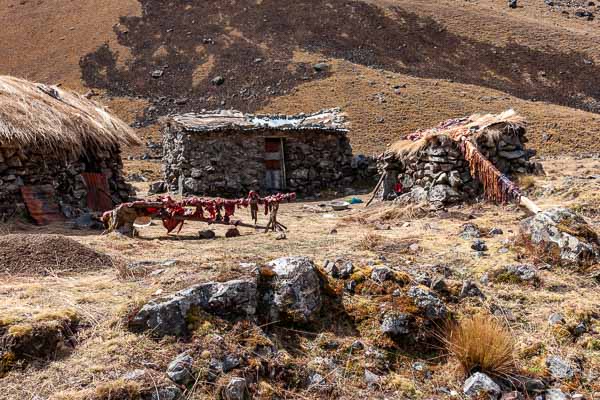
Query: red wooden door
[[98, 193]]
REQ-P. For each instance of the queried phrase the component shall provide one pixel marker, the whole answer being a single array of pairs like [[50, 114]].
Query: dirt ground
[[104, 350]]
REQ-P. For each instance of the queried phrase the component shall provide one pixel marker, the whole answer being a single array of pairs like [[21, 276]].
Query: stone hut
[[431, 166], [229, 153], [59, 153]]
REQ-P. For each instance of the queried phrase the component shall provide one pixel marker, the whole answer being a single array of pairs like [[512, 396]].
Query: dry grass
[[51, 120], [482, 343], [526, 182], [484, 125], [370, 241]]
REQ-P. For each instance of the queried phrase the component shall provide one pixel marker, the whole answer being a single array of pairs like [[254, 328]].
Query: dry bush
[[482, 343], [370, 241]]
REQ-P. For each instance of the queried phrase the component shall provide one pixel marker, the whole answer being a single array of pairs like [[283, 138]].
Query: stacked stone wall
[[20, 167], [231, 163], [439, 173]]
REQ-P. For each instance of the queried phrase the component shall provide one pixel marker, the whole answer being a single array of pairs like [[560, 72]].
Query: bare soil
[[41, 254]]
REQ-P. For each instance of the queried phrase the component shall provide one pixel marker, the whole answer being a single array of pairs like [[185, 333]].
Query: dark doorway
[[274, 164]]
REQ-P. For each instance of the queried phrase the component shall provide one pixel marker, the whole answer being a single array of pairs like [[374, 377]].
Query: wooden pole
[[383, 176], [529, 205]]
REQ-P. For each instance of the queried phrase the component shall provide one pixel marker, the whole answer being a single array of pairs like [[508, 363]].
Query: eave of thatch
[[50, 120], [472, 127]]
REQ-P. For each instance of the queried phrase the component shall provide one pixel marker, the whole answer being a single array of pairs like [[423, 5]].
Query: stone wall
[[231, 163], [22, 168], [438, 173]]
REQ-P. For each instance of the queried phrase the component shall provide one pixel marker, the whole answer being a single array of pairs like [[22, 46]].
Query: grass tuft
[[482, 344], [370, 241]]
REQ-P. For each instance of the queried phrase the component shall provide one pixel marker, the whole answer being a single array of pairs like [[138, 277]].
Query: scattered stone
[[315, 379], [321, 67], [207, 234], [281, 236], [514, 395], [555, 394], [232, 232], [331, 268], [559, 368], [371, 378], [158, 187], [346, 270], [495, 231], [480, 383], [164, 393], [479, 245], [157, 73], [560, 231], [381, 274], [470, 289], [168, 315], [470, 231], [515, 274], [231, 361], [236, 389], [350, 286], [396, 324], [181, 370], [556, 318], [134, 375], [357, 345], [218, 81], [295, 288], [439, 285], [534, 386], [428, 302]]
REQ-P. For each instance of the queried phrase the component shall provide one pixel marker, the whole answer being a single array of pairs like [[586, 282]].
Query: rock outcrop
[[561, 234]]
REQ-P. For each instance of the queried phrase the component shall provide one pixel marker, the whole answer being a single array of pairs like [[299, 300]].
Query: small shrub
[[483, 344]]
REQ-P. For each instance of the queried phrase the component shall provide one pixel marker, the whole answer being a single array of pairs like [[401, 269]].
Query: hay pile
[[23, 254]]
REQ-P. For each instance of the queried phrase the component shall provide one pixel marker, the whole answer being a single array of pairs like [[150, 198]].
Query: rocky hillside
[[392, 64]]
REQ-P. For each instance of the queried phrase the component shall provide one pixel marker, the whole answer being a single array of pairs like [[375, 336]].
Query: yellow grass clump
[[481, 343]]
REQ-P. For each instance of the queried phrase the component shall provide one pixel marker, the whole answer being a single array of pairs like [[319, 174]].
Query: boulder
[[295, 289], [470, 289], [381, 274], [470, 231], [480, 383], [396, 323], [236, 389], [168, 315], [555, 394], [561, 232], [479, 245], [559, 368], [428, 302], [181, 370]]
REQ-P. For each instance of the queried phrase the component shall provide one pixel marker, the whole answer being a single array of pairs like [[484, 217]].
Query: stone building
[[228, 153], [430, 165], [59, 153]]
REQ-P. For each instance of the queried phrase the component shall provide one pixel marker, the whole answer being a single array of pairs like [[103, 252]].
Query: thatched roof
[[332, 120], [54, 121], [473, 127]]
